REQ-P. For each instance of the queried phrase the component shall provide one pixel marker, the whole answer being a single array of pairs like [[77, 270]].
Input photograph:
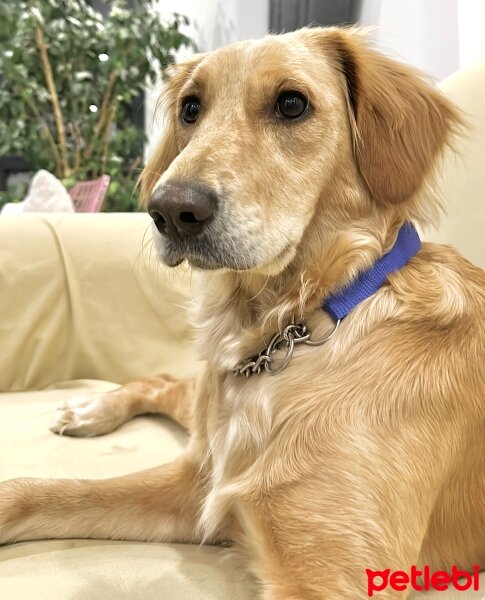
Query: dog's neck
[[241, 311]]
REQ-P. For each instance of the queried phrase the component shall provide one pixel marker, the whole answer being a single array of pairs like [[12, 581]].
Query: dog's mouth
[[208, 252], [197, 261]]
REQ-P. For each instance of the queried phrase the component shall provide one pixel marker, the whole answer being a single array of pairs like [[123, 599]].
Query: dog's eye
[[291, 105], [190, 110]]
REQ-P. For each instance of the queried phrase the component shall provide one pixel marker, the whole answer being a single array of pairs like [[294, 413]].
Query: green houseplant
[[68, 80]]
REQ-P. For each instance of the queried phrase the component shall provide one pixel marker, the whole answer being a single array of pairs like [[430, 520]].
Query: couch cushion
[[29, 449], [95, 569]]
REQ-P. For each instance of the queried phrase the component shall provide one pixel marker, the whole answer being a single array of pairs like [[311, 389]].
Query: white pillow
[[46, 194]]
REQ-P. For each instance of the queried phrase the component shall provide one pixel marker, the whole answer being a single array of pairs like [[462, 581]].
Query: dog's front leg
[[158, 504], [357, 505], [87, 415]]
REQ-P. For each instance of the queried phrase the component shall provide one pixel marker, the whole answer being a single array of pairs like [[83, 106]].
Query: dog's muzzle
[[194, 223]]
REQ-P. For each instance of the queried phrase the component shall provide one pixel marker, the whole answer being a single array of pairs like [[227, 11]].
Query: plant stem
[[46, 66], [106, 136], [133, 165], [48, 135], [104, 103], [103, 112], [76, 134]]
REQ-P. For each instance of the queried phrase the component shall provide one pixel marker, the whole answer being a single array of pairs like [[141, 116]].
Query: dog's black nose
[[182, 209]]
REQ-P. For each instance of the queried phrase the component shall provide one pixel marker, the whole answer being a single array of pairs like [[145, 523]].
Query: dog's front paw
[[88, 415]]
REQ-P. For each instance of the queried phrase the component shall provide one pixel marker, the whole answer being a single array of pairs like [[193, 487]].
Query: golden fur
[[366, 452]]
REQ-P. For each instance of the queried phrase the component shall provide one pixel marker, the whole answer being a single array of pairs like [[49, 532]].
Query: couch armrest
[[84, 296]]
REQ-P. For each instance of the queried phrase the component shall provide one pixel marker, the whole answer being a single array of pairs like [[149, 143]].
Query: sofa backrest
[[462, 175], [85, 296]]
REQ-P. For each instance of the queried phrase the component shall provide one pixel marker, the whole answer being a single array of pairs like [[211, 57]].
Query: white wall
[[471, 31], [214, 23], [437, 36]]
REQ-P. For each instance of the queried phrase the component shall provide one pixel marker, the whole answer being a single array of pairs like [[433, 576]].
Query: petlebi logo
[[423, 580]]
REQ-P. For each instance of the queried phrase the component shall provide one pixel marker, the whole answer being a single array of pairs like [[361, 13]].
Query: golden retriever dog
[[288, 167]]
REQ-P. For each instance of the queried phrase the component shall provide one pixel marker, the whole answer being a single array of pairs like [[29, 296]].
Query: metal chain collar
[[287, 340]]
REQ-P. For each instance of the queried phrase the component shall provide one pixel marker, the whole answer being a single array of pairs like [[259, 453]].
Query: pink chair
[[88, 196]]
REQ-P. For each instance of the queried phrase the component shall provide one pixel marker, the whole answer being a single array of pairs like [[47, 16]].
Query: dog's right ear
[[168, 148]]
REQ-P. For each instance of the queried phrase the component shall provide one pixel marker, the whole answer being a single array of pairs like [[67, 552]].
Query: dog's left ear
[[400, 122]]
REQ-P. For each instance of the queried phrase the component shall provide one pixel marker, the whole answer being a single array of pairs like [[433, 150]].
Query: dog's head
[[267, 139]]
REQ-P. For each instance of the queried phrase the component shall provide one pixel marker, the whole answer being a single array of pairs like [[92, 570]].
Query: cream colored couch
[[84, 302]]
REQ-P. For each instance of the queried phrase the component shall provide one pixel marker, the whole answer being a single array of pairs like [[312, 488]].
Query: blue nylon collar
[[367, 283]]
